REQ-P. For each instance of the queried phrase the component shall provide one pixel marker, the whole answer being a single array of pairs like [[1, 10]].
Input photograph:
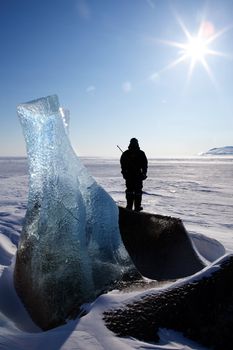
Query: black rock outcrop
[[158, 245], [202, 309]]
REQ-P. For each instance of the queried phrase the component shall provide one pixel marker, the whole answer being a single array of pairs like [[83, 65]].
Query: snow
[[226, 150], [199, 191]]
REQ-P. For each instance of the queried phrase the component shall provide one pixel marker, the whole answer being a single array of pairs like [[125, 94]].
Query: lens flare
[[196, 49]]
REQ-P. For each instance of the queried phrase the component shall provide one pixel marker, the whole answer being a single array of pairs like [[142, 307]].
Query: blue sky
[[106, 60]]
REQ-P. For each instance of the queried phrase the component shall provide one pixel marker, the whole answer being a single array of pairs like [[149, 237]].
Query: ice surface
[[70, 248], [65, 114], [167, 193]]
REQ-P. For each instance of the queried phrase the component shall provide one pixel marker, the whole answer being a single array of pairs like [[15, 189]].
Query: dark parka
[[134, 163]]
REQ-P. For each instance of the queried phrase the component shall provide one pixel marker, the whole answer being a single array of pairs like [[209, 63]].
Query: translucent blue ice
[[70, 246]]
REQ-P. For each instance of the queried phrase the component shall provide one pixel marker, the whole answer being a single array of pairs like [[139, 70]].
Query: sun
[[197, 47]]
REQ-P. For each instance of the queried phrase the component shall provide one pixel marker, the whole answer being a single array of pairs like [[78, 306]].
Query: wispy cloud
[[127, 87], [90, 89], [84, 9], [151, 3], [155, 77]]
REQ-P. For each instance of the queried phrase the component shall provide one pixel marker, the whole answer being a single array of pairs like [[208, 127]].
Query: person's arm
[[123, 165], [144, 165]]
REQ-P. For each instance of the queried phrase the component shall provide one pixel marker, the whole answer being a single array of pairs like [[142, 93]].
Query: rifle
[[119, 148]]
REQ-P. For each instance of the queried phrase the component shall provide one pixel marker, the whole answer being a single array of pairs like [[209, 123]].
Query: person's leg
[[138, 195], [129, 193]]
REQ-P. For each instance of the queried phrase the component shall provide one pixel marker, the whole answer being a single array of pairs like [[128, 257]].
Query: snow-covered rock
[[220, 151]]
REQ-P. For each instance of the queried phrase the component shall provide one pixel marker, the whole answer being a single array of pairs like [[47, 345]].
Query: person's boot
[[137, 202], [129, 199]]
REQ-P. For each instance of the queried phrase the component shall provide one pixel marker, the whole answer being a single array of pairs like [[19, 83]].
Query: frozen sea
[[197, 190]]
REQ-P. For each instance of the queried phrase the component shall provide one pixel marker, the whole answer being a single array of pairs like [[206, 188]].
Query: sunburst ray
[[196, 48]]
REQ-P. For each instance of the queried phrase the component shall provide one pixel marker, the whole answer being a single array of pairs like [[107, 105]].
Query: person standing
[[134, 169]]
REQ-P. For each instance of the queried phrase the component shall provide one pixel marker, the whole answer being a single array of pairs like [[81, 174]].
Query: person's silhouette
[[134, 169]]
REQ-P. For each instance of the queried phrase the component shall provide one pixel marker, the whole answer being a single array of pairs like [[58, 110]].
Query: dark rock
[[202, 309], [158, 245]]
